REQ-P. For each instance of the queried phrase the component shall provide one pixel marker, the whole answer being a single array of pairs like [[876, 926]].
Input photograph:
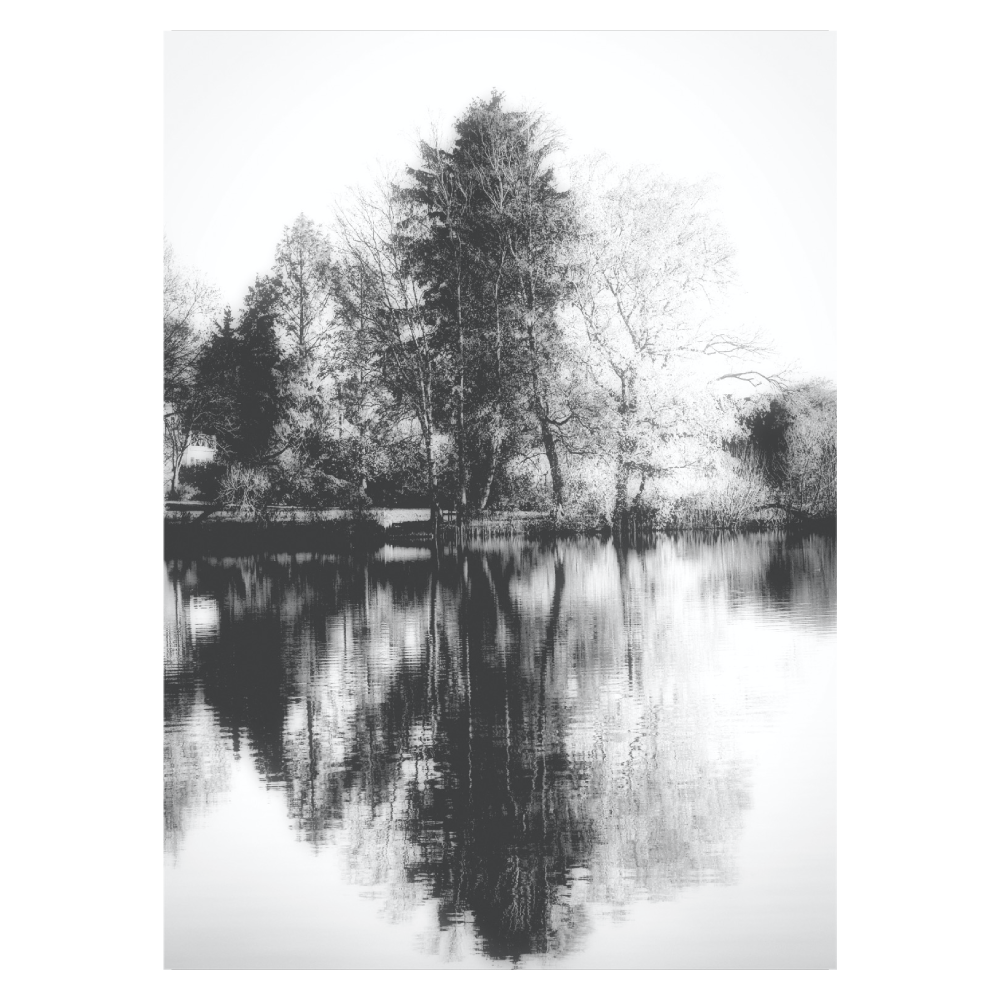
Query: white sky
[[260, 126]]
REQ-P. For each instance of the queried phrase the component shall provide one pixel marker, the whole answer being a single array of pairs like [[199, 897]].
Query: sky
[[263, 126]]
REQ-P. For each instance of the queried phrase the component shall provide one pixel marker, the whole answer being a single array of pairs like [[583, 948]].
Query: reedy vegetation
[[471, 334]]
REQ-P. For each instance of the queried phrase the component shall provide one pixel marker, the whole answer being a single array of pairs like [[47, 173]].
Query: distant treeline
[[477, 334]]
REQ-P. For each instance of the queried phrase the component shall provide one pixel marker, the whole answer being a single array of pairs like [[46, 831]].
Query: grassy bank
[[199, 529]]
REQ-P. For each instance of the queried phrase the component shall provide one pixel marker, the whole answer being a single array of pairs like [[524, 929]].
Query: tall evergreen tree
[[493, 260], [245, 376]]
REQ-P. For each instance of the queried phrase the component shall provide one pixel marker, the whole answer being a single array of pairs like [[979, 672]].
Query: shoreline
[[189, 531]]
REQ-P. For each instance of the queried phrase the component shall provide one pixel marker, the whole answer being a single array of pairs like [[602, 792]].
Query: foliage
[[381, 309], [311, 486], [491, 256], [303, 273], [203, 480], [520, 489], [789, 441], [472, 333], [652, 262], [812, 448], [187, 300], [247, 490], [245, 379]]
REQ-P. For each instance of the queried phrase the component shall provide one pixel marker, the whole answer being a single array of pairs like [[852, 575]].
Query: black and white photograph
[[499, 500]]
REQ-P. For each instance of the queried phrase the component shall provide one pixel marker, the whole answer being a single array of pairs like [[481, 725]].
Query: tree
[[244, 377], [437, 255], [791, 437], [303, 267], [304, 275], [652, 263], [187, 299], [381, 307], [187, 302], [525, 229], [362, 397], [493, 261]]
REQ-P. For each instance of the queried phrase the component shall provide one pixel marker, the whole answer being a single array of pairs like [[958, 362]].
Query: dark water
[[567, 754]]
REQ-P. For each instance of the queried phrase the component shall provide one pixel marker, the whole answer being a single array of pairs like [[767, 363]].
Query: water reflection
[[520, 732]]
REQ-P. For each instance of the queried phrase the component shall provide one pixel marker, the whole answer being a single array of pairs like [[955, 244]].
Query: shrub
[[248, 490], [184, 491], [311, 486], [202, 481], [589, 499], [519, 491]]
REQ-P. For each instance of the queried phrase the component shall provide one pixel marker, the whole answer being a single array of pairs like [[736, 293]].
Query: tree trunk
[[178, 459], [462, 497], [461, 491], [544, 426], [637, 499], [363, 459], [553, 456], [431, 485], [626, 450], [619, 518], [484, 497]]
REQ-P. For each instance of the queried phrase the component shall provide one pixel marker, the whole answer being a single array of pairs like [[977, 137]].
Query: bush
[[184, 491], [248, 490], [398, 476], [311, 486], [589, 501], [519, 491], [201, 481], [789, 446]]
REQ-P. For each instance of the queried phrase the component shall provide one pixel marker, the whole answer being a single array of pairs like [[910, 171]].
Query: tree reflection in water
[[518, 731]]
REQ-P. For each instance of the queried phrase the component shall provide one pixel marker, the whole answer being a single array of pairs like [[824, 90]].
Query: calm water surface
[[567, 754]]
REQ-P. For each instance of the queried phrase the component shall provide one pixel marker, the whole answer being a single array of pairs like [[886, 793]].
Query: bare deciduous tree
[[187, 301], [380, 302], [652, 263]]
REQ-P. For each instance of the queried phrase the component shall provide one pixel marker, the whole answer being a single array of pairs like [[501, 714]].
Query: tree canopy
[[490, 333]]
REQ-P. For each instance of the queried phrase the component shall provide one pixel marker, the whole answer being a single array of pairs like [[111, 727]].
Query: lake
[[516, 754]]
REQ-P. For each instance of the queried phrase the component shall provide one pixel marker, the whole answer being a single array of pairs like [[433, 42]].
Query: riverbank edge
[[191, 530]]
